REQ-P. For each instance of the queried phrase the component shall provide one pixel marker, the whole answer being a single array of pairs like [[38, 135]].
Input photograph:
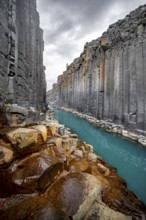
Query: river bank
[[46, 171], [137, 135]]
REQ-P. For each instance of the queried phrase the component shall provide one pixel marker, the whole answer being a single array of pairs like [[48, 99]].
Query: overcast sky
[[69, 24]]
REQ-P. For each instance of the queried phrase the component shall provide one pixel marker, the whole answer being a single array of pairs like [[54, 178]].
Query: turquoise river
[[127, 156]]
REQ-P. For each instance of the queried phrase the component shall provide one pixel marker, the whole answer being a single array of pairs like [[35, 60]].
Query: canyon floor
[[47, 173]]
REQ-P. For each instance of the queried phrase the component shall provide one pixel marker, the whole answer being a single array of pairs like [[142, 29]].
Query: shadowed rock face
[[22, 78], [108, 80]]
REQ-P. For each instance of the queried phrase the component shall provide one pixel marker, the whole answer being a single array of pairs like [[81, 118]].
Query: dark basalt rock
[[22, 78], [107, 80]]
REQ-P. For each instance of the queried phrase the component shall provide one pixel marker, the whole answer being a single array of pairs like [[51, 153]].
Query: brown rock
[[31, 174], [103, 169], [57, 141], [24, 140], [75, 194], [6, 156], [79, 165], [37, 208], [78, 153]]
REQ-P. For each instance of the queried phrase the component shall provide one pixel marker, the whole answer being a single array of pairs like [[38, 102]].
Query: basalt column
[[108, 80], [22, 77]]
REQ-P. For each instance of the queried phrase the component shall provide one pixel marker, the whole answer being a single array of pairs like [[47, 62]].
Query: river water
[[127, 156]]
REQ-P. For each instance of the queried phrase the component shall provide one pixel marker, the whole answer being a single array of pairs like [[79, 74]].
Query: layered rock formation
[[108, 80], [22, 78]]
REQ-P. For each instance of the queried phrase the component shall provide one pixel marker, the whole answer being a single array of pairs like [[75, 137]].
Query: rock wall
[[52, 95], [108, 80], [22, 77]]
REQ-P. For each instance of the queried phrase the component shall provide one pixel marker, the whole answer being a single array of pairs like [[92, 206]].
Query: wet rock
[[30, 174], [121, 199], [79, 165], [24, 140], [6, 156], [75, 194], [37, 208]]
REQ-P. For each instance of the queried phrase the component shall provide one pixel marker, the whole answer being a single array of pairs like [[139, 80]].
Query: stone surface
[[22, 78], [99, 211], [30, 174], [36, 208], [6, 156], [24, 140], [75, 193], [107, 80]]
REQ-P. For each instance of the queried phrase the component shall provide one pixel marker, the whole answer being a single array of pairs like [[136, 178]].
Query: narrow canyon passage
[[127, 156]]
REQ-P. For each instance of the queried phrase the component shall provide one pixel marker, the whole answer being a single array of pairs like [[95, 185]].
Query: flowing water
[[127, 156]]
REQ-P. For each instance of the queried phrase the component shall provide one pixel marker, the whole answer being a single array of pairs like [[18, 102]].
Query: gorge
[[46, 170]]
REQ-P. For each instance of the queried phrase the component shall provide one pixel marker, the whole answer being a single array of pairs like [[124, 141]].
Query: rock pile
[[47, 173]]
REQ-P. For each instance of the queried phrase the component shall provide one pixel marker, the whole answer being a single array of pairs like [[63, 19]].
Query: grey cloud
[[67, 22]]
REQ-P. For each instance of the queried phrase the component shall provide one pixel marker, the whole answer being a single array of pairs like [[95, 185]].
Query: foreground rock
[[46, 172], [36, 208], [75, 194]]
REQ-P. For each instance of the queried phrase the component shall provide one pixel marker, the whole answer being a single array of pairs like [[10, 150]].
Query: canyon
[[108, 80], [46, 172]]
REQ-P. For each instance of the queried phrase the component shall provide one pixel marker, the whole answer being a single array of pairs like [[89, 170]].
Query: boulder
[[79, 165], [31, 174], [57, 141], [43, 131], [75, 193], [52, 129], [25, 140], [6, 156], [37, 208], [102, 212], [78, 153]]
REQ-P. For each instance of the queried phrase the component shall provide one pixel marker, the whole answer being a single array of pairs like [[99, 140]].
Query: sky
[[69, 24]]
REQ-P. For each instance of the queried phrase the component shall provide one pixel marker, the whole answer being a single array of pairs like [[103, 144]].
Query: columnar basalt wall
[[22, 77], [108, 80]]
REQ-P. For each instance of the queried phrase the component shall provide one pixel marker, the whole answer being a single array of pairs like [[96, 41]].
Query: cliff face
[[108, 80], [52, 95], [22, 77]]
